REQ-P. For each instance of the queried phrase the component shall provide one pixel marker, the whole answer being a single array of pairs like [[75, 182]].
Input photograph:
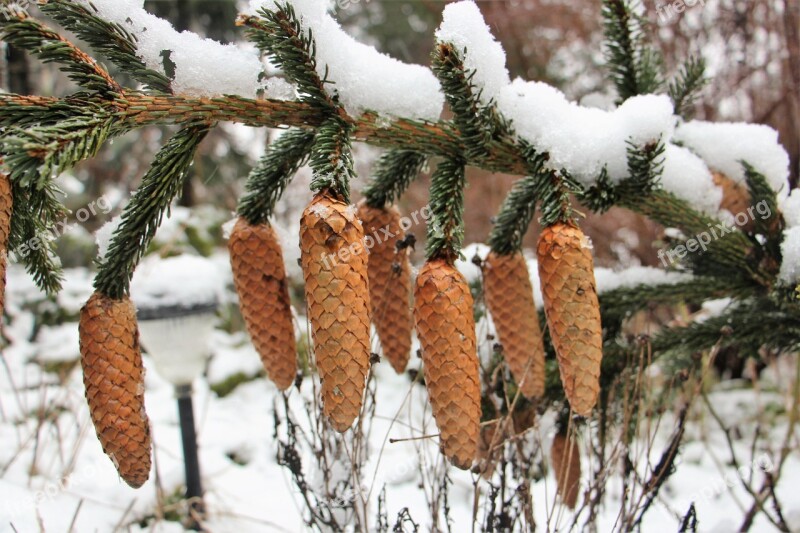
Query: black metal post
[[194, 488]]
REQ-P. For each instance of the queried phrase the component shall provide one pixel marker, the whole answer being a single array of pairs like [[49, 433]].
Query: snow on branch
[[580, 139], [201, 67], [723, 146], [463, 27], [363, 78]]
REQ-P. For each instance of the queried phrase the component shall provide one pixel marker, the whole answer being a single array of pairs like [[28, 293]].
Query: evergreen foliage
[[446, 226], [272, 174], [685, 87], [143, 214], [635, 68], [393, 173], [109, 39], [518, 209]]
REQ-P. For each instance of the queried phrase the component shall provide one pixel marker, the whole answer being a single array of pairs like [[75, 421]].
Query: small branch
[[25, 32]]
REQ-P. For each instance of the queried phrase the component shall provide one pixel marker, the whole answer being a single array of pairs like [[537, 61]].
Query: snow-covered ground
[[54, 475]]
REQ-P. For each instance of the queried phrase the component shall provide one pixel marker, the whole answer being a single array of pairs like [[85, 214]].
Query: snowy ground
[[54, 476]]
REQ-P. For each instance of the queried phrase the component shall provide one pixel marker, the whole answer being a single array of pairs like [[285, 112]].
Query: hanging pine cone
[[335, 270], [6, 206], [573, 312], [735, 197], [509, 297], [446, 330], [260, 280], [566, 460], [389, 282], [113, 376]]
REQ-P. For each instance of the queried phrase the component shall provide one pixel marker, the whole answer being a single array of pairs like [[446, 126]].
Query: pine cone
[[113, 376], [735, 197], [335, 269], [566, 460], [509, 297], [446, 330], [260, 280], [573, 312], [6, 206], [389, 282]]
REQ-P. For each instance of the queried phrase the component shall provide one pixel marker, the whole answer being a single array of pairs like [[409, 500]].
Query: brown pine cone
[[113, 376], [6, 206], [389, 282], [335, 269], [735, 197], [573, 312], [446, 330], [260, 280], [566, 460], [509, 297]]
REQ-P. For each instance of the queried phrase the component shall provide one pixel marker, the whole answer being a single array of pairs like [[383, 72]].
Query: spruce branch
[[471, 118], [26, 111], [736, 326], [393, 173], [137, 109], [332, 158], [272, 174], [645, 165], [142, 216], [517, 211], [729, 253], [763, 197], [619, 304], [446, 227], [635, 68], [292, 49], [23, 31], [107, 38], [555, 197], [36, 154], [34, 213], [689, 81]]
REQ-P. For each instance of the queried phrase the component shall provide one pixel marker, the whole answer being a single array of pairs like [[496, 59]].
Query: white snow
[[364, 78], [686, 176], [180, 280], [472, 272], [791, 209], [227, 228], [279, 89], [580, 139], [103, 235], [203, 67], [609, 279], [724, 145], [790, 249], [463, 27]]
